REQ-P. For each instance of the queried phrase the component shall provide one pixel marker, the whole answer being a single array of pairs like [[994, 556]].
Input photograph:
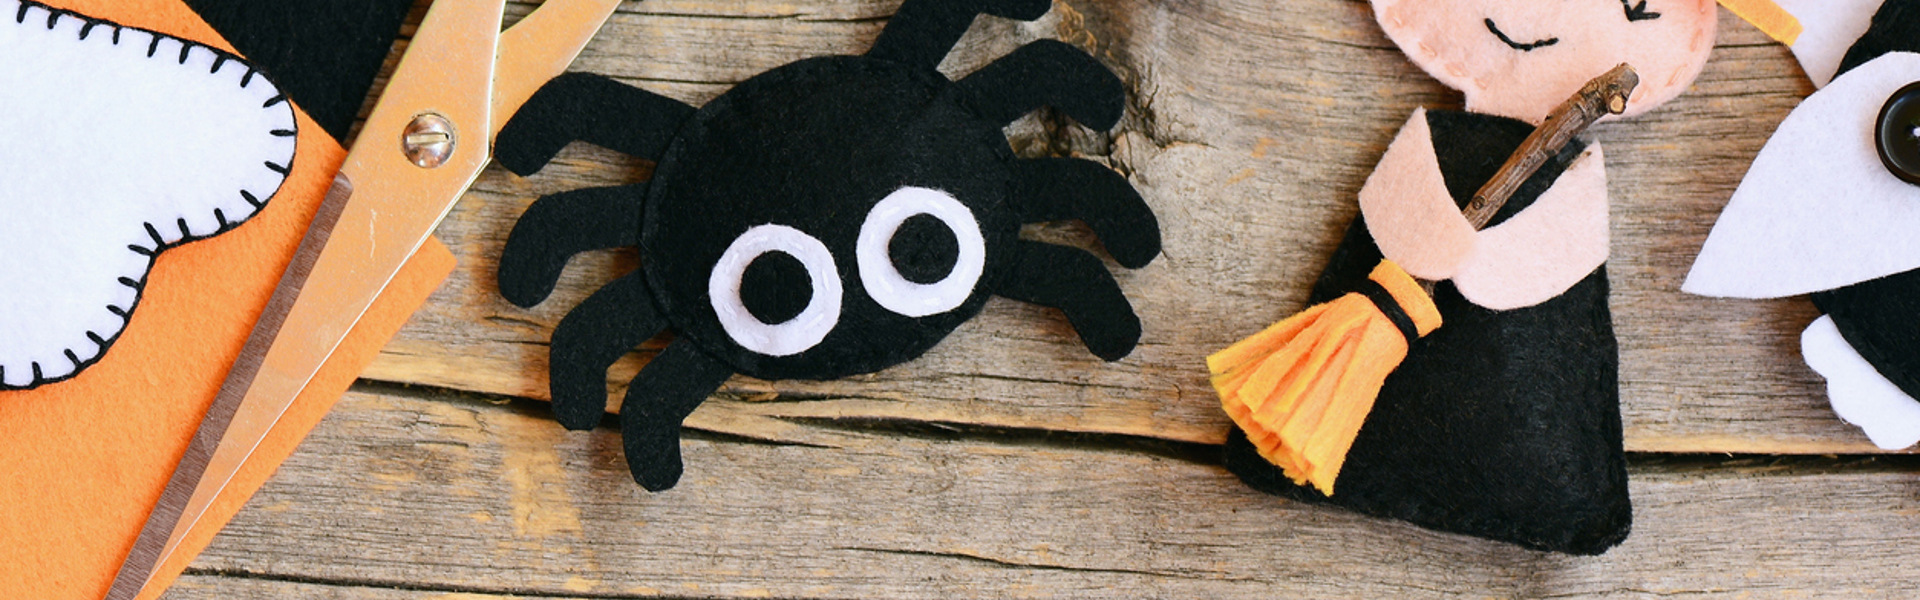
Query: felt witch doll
[[1830, 206], [1488, 403]]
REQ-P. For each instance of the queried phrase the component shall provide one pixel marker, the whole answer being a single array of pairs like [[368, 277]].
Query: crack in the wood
[[948, 431], [407, 586], [1015, 564], [795, 16]]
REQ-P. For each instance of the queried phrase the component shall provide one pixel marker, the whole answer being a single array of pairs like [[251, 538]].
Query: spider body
[[831, 217], [723, 157]]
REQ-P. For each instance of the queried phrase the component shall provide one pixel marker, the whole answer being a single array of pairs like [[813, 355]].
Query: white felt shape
[[1527, 259], [1860, 394], [1408, 210], [792, 336], [118, 144], [894, 291], [1818, 210], [1828, 29], [1547, 248]]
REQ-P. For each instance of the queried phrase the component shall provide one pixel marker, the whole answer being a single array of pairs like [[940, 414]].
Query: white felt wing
[[1859, 393], [118, 143], [1817, 209], [1829, 29]]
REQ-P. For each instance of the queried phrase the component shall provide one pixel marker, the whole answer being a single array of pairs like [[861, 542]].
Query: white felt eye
[[883, 280], [794, 335]]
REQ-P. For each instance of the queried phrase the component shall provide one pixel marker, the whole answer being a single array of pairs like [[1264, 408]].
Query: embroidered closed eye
[[1638, 12]]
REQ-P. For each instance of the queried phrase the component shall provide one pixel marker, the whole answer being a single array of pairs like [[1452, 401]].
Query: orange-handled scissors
[[424, 144]]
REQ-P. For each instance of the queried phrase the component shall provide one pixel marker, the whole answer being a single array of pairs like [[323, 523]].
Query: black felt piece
[[775, 287], [1880, 318], [922, 32], [322, 53], [614, 320], [1499, 424], [658, 401], [1895, 28], [558, 226], [1076, 283], [1389, 308], [924, 250], [590, 108], [813, 146], [1046, 73], [1055, 189]]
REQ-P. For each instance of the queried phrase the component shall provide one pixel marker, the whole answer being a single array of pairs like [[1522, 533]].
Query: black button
[[1897, 134]]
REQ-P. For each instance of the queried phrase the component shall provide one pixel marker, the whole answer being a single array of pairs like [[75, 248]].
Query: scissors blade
[[391, 207]]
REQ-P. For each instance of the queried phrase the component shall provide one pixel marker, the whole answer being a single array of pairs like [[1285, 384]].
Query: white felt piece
[[1408, 210], [1818, 210], [795, 335], [1547, 248], [108, 147], [1829, 29], [883, 281], [1860, 395]]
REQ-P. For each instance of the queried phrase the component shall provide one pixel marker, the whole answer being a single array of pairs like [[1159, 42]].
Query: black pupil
[[924, 250], [775, 288]]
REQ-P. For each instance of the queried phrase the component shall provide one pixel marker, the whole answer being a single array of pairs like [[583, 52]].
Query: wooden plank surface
[[439, 494], [1009, 462]]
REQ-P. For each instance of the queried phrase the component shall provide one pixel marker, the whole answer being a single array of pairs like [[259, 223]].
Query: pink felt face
[[1521, 58]]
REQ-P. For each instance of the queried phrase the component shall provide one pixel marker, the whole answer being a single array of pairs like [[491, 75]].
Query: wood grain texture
[[1009, 462], [440, 495], [1251, 126]]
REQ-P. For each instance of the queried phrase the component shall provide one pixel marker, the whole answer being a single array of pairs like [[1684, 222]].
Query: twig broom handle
[[1604, 95]]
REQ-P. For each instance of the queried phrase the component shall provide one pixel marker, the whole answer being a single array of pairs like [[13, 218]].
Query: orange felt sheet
[[85, 459]]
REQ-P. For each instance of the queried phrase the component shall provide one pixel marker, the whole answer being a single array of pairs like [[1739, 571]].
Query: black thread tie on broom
[[1302, 388]]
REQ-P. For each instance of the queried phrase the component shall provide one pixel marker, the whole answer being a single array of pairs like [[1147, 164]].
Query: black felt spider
[[831, 217]]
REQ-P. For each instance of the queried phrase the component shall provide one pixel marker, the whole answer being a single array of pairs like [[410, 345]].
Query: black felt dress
[[1499, 424]]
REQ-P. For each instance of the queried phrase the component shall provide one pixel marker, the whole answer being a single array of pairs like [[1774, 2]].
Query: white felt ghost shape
[[119, 143]]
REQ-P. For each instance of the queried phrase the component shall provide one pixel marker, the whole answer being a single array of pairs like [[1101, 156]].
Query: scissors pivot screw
[[428, 140]]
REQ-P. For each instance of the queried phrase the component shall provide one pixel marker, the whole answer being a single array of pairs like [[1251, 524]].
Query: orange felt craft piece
[[1302, 388], [86, 458]]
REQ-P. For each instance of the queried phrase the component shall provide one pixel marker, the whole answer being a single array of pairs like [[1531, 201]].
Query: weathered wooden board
[[1252, 125], [397, 496]]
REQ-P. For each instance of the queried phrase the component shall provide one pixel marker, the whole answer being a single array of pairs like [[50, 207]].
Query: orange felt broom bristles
[[1302, 388]]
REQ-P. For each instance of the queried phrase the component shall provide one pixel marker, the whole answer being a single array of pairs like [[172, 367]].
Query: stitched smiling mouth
[[1524, 47]]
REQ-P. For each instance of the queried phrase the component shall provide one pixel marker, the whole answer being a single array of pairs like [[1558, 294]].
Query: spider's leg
[[1057, 189], [1075, 282], [602, 329], [658, 400], [558, 226], [590, 108], [1046, 73], [923, 31]]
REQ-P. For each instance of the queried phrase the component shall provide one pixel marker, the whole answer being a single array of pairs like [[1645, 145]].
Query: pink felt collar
[[1526, 260]]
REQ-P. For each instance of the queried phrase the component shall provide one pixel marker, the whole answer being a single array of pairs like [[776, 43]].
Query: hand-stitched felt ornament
[[834, 216], [86, 456], [1829, 208], [1502, 420]]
